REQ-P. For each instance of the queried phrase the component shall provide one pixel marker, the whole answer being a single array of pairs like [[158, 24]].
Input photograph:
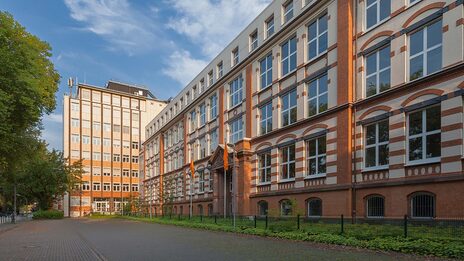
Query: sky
[[159, 44]]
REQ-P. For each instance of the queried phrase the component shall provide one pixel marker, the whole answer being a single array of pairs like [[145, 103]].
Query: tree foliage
[[28, 83]]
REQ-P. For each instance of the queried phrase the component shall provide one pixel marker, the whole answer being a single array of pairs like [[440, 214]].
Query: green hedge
[[48, 214]]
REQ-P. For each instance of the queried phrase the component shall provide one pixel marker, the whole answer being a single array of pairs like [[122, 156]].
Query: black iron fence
[[451, 229]]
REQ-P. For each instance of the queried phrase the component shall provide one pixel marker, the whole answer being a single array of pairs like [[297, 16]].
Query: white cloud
[[182, 67], [117, 22], [53, 117], [212, 24]]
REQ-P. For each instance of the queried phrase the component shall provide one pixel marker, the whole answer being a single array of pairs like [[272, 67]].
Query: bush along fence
[[438, 237]]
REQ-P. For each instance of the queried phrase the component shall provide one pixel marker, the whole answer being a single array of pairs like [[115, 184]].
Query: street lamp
[[234, 178]]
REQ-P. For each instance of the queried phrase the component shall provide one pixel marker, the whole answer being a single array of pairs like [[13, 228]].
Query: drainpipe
[[354, 181]]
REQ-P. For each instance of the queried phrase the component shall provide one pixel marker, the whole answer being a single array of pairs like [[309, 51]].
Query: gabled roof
[[216, 161]]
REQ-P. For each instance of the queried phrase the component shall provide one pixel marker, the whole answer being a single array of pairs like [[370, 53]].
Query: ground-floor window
[[375, 206], [210, 209], [314, 207], [262, 208], [423, 205], [200, 210], [286, 207]]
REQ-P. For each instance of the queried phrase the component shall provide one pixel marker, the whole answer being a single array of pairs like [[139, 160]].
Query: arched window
[[175, 210], [210, 209], [181, 210], [375, 206], [285, 207], [423, 205], [314, 207], [262, 208], [200, 210]]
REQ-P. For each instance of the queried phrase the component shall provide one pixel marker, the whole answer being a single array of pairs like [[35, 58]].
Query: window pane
[[415, 123], [434, 60], [322, 145], [323, 42], [312, 108], [416, 69], [312, 147], [433, 145], [312, 89], [312, 31], [415, 149], [383, 155], [433, 118], [416, 42], [322, 168], [383, 131], [323, 84], [434, 34], [371, 85], [370, 134], [323, 103], [385, 9], [370, 157], [371, 16], [371, 64], [384, 80], [312, 52], [384, 56], [312, 166]]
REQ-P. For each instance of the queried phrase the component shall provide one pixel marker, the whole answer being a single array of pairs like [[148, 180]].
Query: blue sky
[[159, 44]]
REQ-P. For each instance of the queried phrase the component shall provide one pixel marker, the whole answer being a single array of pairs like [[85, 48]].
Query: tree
[[45, 177], [28, 83]]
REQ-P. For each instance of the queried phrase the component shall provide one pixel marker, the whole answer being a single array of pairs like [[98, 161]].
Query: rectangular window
[[106, 157], [288, 62], [116, 128], [253, 41], [96, 156], [135, 174], [125, 173], [74, 122], [117, 143], [316, 157], [96, 141], [116, 158], [287, 165], [96, 186], [236, 91], [125, 187], [264, 167], [193, 120], [202, 114], [135, 159], [269, 26], [235, 57], [376, 148], [317, 37], [214, 138], [378, 71], [265, 122], [135, 187], [425, 53], [86, 186], [376, 12], [287, 11], [213, 106], [75, 107], [106, 127], [266, 71], [236, 130], [125, 158], [75, 138], [317, 96], [424, 135], [106, 187], [85, 139], [96, 126], [106, 172], [201, 181], [85, 124], [220, 70], [289, 108], [135, 145], [210, 78], [203, 147], [116, 187]]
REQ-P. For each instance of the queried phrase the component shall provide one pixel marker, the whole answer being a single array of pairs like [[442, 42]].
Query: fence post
[[341, 222], [215, 219], [266, 221], [298, 222], [405, 225], [255, 221]]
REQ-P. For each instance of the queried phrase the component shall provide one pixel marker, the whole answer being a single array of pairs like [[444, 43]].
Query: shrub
[[48, 214]]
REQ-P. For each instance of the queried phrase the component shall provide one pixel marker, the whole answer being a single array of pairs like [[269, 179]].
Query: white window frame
[[317, 39], [193, 121], [265, 72], [289, 109], [287, 10], [375, 145], [287, 162], [236, 92], [423, 135], [253, 41], [265, 120], [377, 20], [424, 51], [270, 26], [318, 95], [266, 169], [378, 71], [213, 113], [316, 157], [235, 57], [289, 69], [201, 181], [202, 114], [236, 130]]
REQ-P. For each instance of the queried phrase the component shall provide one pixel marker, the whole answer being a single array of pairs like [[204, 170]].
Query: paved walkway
[[115, 239]]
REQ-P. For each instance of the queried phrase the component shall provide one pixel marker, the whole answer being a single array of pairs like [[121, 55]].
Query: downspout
[[354, 178]]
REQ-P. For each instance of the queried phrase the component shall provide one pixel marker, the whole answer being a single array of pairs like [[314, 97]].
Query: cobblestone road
[[114, 239]]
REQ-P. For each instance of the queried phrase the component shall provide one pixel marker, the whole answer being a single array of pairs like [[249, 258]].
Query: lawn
[[441, 241]]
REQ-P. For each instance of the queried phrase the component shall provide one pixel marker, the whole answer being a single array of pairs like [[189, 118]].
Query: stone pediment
[[216, 160]]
